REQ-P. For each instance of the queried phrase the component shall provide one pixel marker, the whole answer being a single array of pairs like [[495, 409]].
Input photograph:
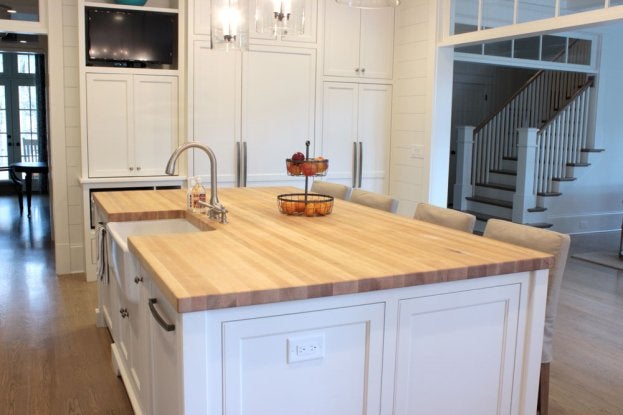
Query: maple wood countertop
[[263, 256]]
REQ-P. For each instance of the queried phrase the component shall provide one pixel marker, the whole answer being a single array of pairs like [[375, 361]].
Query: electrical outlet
[[416, 151], [305, 348]]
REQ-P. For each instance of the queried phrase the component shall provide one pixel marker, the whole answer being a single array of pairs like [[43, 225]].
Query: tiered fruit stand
[[308, 204]]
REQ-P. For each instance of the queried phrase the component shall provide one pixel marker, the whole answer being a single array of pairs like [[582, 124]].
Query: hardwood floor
[[53, 360]]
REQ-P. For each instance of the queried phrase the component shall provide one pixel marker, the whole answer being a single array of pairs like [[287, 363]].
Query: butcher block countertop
[[263, 256]]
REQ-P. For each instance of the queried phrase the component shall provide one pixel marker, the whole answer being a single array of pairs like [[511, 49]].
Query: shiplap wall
[[72, 134], [411, 104]]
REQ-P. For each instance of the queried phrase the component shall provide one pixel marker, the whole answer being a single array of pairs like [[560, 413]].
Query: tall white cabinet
[[356, 132], [132, 123], [254, 110]]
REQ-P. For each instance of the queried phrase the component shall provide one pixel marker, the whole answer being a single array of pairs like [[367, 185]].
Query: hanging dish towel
[[102, 253]]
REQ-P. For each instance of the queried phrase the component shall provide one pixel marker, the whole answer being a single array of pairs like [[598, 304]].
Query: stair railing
[[561, 140], [530, 107]]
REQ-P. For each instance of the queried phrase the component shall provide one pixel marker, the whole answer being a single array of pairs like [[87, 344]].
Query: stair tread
[[578, 164], [543, 225], [537, 209], [504, 171], [564, 179], [483, 216], [549, 194], [491, 201], [499, 186], [593, 150]]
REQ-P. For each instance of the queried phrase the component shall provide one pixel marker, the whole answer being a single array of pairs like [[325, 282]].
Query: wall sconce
[[369, 4], [280, 17], [229, 24]]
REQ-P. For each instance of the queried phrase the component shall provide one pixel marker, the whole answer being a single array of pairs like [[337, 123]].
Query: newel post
[[464, 149], [525, 196]]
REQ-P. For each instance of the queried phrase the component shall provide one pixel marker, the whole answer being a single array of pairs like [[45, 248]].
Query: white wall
[[411, 108], [593, 202]]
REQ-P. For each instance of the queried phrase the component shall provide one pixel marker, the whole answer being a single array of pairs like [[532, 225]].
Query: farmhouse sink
[[120, 260]]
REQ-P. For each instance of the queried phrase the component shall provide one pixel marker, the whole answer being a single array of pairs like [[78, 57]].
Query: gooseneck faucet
[[215, 209]]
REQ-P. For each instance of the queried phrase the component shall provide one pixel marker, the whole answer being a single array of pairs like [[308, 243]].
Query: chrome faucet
[[215, 209]]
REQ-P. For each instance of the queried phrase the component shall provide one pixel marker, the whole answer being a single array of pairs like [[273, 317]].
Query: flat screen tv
[[134, 38]]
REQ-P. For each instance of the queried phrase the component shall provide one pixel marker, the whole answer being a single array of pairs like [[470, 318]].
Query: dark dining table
[[28, 168]]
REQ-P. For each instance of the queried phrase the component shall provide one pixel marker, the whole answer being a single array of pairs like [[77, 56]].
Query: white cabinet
[[461, 344], [165, 350], [132, 123], [321, 362], [358, 42], [356, 127], [253, 112]]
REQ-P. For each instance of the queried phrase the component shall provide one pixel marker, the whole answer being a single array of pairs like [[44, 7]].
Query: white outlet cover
[[303, 348]]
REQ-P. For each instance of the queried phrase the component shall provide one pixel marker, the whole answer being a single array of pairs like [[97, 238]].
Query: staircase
[[518, 159]]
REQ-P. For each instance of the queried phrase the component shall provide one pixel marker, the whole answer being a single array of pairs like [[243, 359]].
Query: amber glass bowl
[[298, 204], [307, 167]]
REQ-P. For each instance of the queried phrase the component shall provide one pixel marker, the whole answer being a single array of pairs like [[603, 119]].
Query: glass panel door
[[22, 136]]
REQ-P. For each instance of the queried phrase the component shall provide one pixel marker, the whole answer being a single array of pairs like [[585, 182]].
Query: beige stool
[[338, 191], [556, 244], [374, 200], [445, 217]]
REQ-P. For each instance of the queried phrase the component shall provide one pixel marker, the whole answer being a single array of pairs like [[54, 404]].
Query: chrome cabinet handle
[[138, 279], [355, 160], [238, 164], [244, 163], [363, 70], [138, 168], [357, 70], [360, 164], [131, 168], [152, 307]]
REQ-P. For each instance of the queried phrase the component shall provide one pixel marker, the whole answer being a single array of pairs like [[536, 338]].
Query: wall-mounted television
[[130, 38]]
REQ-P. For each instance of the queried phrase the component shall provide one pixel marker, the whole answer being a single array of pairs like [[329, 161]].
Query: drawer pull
[[166, 326], [138, 279]]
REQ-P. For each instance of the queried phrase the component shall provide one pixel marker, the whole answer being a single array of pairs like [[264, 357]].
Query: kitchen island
[[357, 312]]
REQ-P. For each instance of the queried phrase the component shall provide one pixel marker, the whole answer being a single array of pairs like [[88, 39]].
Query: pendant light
[[280, 18], [369, 4], [229, 24]]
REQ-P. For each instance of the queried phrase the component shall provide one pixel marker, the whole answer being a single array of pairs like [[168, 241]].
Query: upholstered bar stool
[[445, 217], [338, 191], [374, 200], [556, 244]]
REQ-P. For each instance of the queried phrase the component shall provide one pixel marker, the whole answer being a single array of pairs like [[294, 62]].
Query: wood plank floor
[[53, 360]]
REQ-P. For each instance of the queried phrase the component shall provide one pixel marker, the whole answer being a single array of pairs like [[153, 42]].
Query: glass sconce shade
[[280, 17], [229, 24], [369, 4]]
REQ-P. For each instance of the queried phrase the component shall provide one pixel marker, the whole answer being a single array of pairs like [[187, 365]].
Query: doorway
[[23, 135]]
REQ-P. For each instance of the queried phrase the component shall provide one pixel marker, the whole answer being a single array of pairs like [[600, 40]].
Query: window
[[22, 10]]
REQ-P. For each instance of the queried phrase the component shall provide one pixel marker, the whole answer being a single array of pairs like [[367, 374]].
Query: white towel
[[102, 253]]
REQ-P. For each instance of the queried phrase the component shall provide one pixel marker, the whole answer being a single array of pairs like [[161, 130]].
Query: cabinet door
[[341, 40], [460, 345], [373, 132], [339, 130], [322, 362], [216, 111], [376, 51], [277, 110], [155, 123], [138, 362], [165, 358], [109, 125]]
